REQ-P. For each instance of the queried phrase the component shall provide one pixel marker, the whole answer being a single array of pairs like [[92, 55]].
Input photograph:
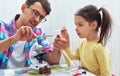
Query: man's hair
[[45, 4]]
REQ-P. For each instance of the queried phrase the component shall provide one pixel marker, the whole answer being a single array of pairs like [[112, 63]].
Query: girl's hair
[[45, 4], [91, 13]]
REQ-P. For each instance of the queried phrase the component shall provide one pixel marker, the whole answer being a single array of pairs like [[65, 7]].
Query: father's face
[[33, 14]]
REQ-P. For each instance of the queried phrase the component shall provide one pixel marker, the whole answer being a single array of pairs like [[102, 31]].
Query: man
[[16, 37]]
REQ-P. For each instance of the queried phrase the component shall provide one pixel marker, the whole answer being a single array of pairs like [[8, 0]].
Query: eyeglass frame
[[35, 13]]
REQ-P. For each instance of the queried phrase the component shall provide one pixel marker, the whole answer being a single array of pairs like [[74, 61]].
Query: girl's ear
[[94, 24], [23, 7]]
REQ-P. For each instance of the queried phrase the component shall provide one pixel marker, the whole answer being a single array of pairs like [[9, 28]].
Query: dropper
[[43, 36]]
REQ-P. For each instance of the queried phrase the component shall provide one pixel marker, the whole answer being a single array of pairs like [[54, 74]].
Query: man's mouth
[[78, 33], [32, 24]]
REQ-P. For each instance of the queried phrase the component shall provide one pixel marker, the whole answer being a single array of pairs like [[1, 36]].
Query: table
[[57, 70]]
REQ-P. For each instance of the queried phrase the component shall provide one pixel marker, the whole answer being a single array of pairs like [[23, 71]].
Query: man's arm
[[53, 57], [7, 43], [23, 33], [60, 42]]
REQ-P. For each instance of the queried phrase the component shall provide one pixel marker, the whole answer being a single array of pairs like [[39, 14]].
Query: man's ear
[[23, 7], [94, 24]]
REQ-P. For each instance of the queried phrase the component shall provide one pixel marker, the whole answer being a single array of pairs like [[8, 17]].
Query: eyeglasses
[[35, 13]]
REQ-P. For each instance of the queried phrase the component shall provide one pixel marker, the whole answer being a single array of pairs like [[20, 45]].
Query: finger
[[64, 32], [58, 36], [22, 30], [31, 33], [27, 30], [60, 46], [57, 46], [61, 42], [63, 29]]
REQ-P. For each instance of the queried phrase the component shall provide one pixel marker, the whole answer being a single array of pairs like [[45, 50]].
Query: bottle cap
[[83, 72]]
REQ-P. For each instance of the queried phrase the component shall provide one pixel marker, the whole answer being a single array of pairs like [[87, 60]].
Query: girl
[[95, 28]]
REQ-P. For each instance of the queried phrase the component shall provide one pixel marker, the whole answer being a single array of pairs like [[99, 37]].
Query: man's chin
[[31, 26]]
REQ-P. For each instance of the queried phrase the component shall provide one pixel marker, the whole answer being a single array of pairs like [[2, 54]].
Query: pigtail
[[106, 26], [101, 15]]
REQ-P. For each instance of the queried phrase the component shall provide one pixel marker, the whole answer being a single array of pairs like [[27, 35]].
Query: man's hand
[[61, 41], [24, 33]]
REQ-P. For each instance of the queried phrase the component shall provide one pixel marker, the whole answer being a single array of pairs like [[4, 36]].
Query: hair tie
[[99, 9]]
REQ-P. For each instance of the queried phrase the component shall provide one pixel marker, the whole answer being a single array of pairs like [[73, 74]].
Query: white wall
[[63, 15]]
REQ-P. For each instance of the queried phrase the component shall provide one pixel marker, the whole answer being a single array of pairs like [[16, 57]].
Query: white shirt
[[18, 58]]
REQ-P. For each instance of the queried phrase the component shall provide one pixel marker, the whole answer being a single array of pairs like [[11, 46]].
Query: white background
[[62, 14]]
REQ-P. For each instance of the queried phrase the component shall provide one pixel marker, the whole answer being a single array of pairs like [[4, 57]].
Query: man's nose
[[38, 19]]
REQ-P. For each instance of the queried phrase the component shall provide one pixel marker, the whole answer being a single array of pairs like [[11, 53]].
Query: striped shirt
[[9, 29]]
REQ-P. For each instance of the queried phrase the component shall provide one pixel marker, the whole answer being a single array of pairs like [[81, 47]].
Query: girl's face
[[83, 27]]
